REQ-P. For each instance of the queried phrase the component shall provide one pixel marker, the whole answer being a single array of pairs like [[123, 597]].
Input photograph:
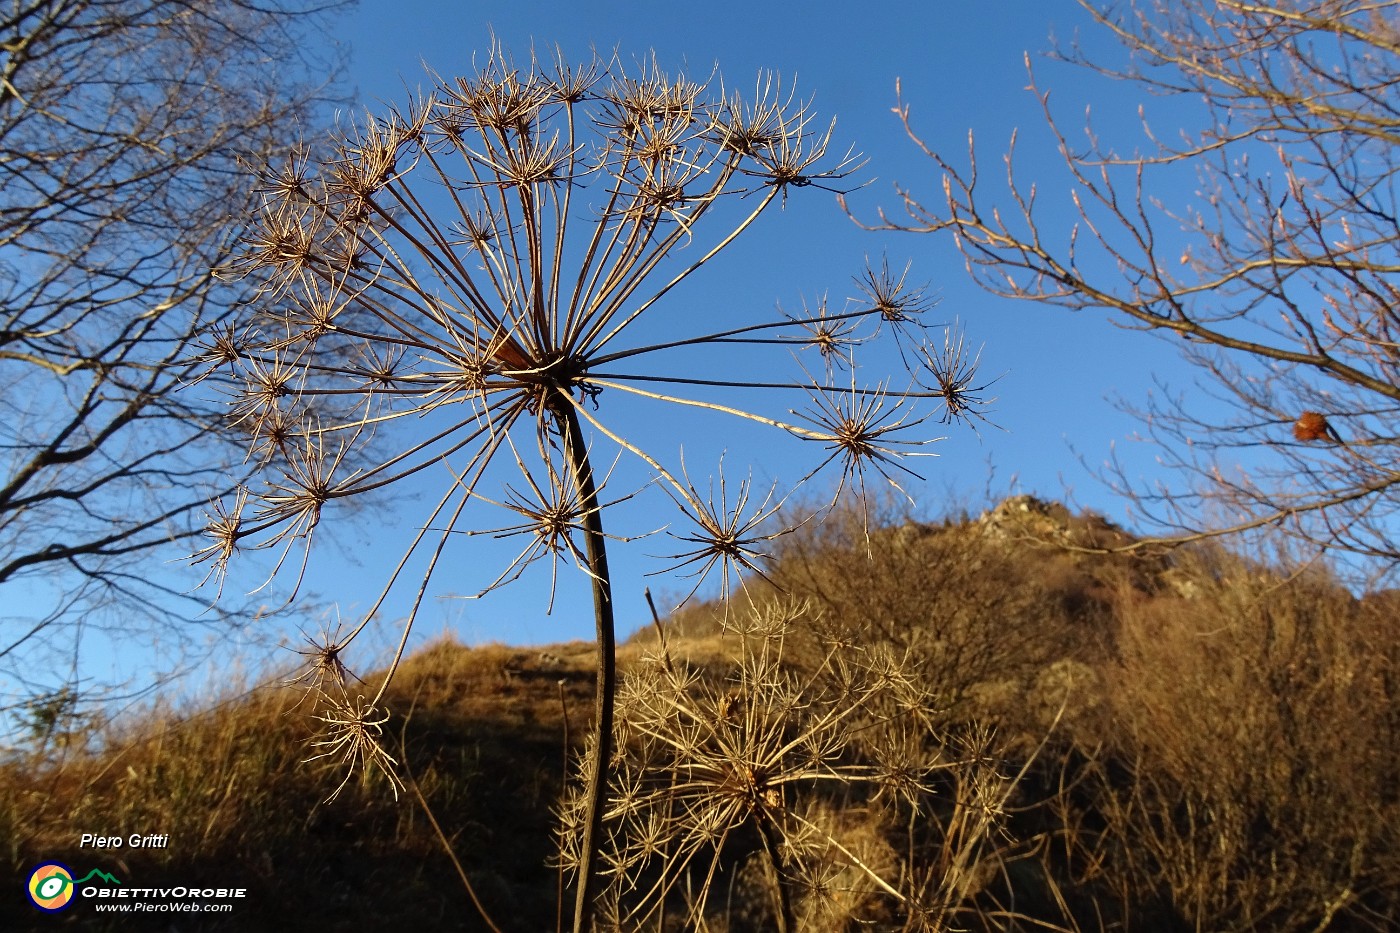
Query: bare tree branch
[[124, 126], [1280, 272]]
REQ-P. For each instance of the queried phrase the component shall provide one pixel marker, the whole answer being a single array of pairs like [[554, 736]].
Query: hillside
[[975, 724]]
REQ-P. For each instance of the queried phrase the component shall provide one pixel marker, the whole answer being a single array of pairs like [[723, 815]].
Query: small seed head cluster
[[352, 738], [704, 765]]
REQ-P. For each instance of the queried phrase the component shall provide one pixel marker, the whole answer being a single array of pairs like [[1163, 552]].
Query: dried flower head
[[351, 735], [726, 534], [953, 371], [220, 349], [466, 275], [859, 426], [896, 301], [225, 530], [476, 261], [708, 764], [322, 666], [833, 336]]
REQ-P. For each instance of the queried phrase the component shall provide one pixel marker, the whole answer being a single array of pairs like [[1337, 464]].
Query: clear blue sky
[[962, 68]]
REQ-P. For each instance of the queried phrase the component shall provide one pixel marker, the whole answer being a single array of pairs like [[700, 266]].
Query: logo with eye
[[51, 887]]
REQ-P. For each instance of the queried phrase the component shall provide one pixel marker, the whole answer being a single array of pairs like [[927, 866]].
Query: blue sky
[[962, 68]]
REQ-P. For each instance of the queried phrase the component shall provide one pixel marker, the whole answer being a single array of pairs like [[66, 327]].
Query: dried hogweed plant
[[454, 289], [760, 763]]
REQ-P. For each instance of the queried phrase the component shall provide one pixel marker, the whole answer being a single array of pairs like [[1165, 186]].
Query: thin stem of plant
[[576, 452]]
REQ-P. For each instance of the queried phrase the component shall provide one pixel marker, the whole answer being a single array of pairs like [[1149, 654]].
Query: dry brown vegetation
[[955, 725]]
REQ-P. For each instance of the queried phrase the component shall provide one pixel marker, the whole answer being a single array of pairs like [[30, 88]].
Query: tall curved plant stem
[[576, 451]]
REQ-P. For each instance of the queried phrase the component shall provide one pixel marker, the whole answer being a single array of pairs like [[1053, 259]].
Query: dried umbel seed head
[[1313, 426], [350, 736], [897, 301], [712, 762], [322, 665], [453, 287]]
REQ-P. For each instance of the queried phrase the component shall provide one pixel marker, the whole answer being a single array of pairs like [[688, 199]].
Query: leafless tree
[[123, 125], [1279, 274]]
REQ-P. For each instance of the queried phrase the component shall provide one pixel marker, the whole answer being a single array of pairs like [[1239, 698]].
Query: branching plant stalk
[[462, 313], [576, 453]]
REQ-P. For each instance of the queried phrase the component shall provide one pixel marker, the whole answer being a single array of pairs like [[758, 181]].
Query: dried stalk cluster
[[748, 778]]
